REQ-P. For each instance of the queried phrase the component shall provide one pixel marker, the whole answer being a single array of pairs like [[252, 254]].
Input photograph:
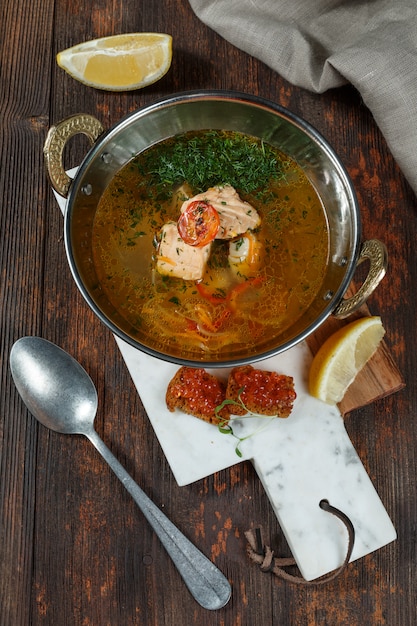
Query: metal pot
[[213, 110]]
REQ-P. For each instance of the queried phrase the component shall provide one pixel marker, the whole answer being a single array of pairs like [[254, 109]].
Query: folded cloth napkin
[[321, 44]]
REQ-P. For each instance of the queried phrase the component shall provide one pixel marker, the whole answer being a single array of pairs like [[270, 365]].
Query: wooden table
[[74, 549]]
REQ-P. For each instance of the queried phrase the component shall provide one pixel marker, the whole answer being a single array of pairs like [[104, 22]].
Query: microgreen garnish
[[224, 423]]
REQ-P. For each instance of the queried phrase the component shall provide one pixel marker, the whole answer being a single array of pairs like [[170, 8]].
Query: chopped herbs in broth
[[210, 158], [254, 285]]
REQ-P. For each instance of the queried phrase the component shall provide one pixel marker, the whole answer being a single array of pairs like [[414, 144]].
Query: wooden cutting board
[[379, 378]]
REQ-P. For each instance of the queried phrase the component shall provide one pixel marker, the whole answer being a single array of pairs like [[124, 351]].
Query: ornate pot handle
[[57, 138], [376, 252]]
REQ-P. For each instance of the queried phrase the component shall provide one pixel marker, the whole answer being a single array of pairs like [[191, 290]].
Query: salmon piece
[[178, 259], [245, 254], [236, 216]]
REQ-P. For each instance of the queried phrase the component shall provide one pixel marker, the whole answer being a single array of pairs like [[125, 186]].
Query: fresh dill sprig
[[211, 158]]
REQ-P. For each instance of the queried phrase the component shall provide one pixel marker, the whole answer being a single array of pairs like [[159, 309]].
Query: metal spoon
[[62, 396]]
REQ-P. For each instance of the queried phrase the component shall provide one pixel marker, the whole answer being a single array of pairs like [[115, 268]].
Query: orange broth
[[227, 309]]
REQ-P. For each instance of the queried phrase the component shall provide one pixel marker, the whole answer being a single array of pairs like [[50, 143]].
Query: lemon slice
[[120, 62], [342, 356]]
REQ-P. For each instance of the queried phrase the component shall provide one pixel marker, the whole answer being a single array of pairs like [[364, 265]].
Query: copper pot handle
[[376, 252], [58, 136]]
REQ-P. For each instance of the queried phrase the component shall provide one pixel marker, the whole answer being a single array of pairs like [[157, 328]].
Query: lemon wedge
[[342, 356], [120, 62]]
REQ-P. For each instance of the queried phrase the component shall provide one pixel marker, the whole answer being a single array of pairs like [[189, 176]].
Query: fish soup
[[251, 280]]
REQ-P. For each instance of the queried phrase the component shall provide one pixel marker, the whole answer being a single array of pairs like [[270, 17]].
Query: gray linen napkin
[[321, 44]]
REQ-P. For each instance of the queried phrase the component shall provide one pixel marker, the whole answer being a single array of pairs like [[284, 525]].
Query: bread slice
[[196, 392], [262, 392]]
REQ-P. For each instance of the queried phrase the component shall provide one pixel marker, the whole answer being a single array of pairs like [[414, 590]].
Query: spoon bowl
[[61, 395], [55, 387]]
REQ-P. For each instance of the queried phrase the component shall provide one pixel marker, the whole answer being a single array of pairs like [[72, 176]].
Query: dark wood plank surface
[[74, 549]]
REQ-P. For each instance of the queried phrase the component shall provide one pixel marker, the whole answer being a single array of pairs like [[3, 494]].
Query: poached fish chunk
[[245, 254], [178, 259], [236, 216]]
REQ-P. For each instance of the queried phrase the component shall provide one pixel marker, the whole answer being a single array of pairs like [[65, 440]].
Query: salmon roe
[[202, 391], [268, 390]]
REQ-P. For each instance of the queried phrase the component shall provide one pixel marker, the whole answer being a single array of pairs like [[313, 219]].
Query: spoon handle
[[206, 583]]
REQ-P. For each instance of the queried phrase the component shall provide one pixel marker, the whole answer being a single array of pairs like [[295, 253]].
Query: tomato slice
[[198, 223]]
